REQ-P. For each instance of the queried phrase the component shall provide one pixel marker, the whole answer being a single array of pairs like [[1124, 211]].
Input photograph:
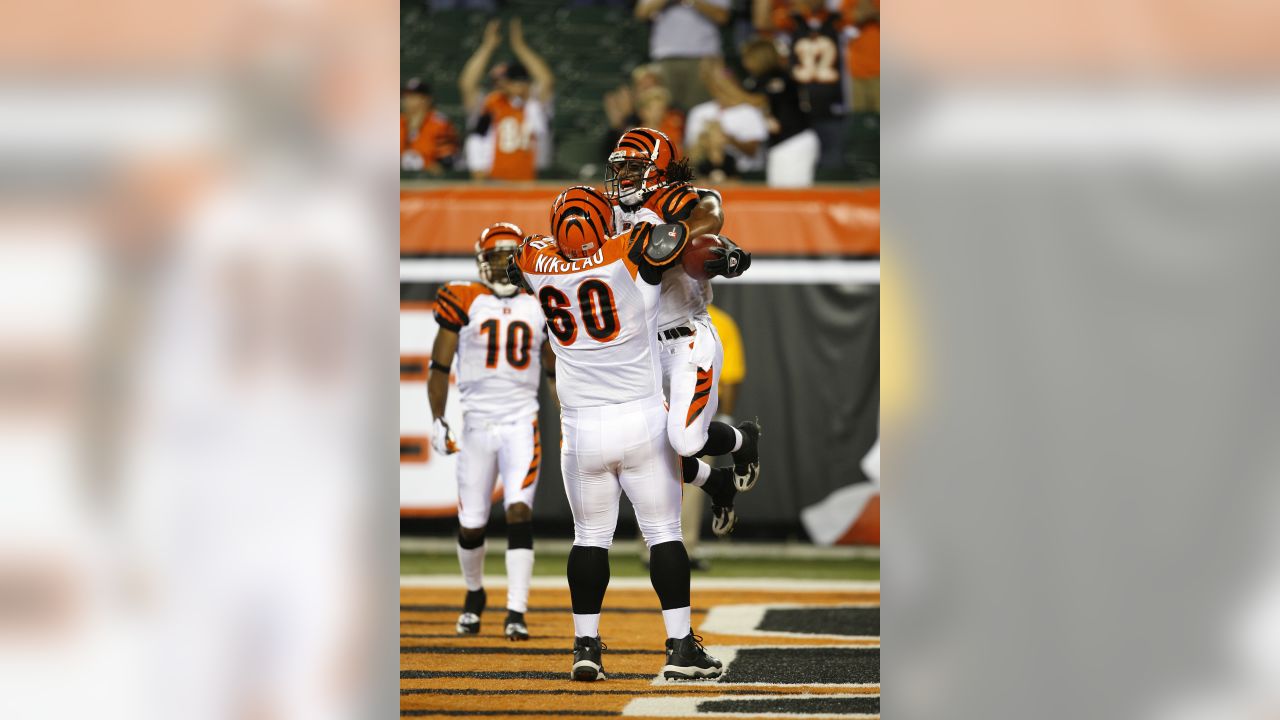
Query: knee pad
[[656, 533], [602, 539], [520, 535], [686, 441], [466, 544]]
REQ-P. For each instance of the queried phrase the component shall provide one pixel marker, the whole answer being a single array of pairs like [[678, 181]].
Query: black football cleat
[[516, 629], [587, 664], [746, 460], [688, 660], [720, 486], [472, 607]]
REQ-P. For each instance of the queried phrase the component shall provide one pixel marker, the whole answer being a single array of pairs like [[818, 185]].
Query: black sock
[[689, 469], [669, 573], [588, 573], [720, 439], [520, 535]]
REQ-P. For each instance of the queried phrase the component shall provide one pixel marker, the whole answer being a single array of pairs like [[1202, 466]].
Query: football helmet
[[638, 165], [581, 219], [496, 245]]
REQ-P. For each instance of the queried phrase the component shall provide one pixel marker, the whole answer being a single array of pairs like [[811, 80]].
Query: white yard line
[[640, 583], [743, 619]]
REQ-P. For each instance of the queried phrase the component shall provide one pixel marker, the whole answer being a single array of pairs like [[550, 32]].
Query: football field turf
[[799, 638], [626, 563]]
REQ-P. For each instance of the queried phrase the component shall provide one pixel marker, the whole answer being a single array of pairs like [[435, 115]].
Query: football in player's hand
[[698, 253]]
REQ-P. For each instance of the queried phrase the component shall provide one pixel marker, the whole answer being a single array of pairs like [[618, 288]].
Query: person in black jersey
[[793, 144]]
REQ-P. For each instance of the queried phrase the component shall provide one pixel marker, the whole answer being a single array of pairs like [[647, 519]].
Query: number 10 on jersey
[[519, 336]]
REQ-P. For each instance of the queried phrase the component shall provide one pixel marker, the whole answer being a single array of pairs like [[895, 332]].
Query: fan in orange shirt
[[653, 110], [864, 54], [428, 140], [509, 123]]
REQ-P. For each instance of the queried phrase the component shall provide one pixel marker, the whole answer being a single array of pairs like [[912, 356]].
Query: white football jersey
[[601, 312], [499, 360], [683, 297]]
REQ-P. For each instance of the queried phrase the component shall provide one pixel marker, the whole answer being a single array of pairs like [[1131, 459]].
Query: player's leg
[[477, 470], [519, 466], [694, 376], [691, 369], [650, 476], [592, 489]]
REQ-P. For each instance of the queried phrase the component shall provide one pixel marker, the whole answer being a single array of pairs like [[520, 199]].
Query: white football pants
[[620, 448]]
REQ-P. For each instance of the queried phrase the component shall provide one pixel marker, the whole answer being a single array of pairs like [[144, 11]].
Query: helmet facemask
[[630, 179], [493, 267]]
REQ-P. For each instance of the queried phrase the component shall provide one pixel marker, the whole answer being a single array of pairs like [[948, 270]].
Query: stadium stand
[[591, 50]]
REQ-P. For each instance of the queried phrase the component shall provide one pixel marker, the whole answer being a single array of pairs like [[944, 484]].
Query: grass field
[[625, 562]]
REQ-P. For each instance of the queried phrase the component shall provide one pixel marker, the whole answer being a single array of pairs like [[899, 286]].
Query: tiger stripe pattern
[[535, 465], [701, 395]]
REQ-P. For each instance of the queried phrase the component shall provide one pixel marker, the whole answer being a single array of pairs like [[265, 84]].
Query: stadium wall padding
[[813, 380], [446, 220]]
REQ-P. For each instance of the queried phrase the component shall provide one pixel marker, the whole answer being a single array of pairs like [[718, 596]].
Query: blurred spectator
[[646, 103], [708, 155], [864, 55], [488, 6], [428, 141], [793, 145], [814, 36], [684, 32], [654, 111], [727, 134], [508, 126]]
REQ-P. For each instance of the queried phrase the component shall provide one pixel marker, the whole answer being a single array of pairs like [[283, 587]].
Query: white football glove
[[442, 437]]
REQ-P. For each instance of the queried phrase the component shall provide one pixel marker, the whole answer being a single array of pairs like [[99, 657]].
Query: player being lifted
[[498, 336], [600, 299], [647, 183]]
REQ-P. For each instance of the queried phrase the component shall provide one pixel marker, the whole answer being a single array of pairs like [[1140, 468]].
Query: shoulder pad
[[453, 304], [665, 243], [709, 192], [674, 203]]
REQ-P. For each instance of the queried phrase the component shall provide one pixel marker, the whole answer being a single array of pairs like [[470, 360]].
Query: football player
[[647, 183], [493, 335], [599, 295]]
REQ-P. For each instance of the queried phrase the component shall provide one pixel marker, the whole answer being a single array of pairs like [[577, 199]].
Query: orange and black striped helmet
[[498, 237], [638, 165], [581, 220]]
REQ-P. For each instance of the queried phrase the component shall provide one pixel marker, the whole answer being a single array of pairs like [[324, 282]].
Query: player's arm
[[543, 79], [707, 217], [473, 71], [655, 249], [701, 213], [442, 354], [549, 368]]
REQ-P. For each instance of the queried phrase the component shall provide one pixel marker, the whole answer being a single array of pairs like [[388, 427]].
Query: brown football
[[699, 252]]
